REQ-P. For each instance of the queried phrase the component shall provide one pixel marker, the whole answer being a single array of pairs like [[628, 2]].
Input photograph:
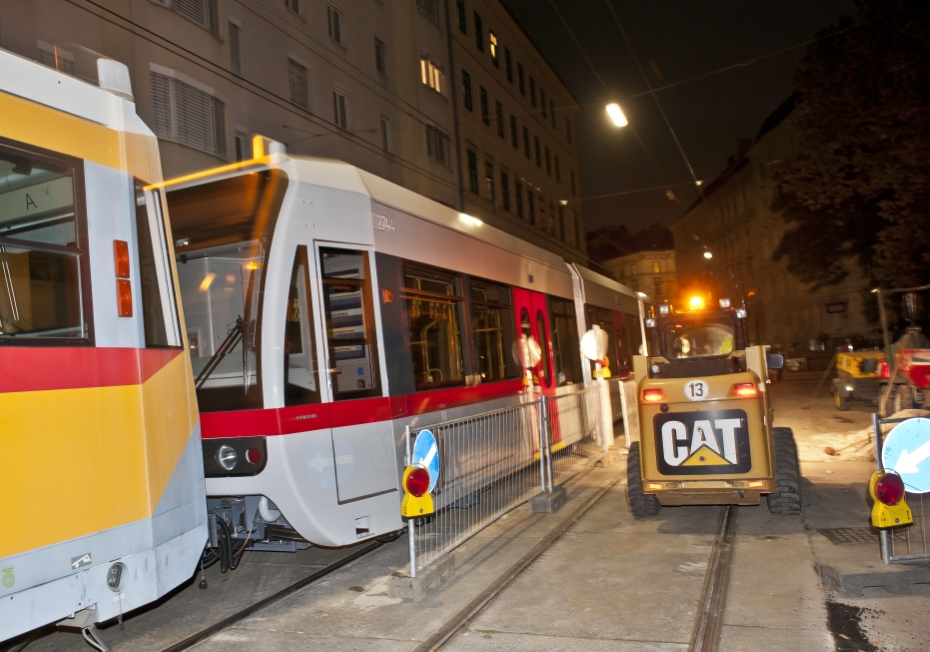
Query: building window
[[293, 5], [555, 124], [489, 182], [243, 147], [558, 173], [235, 53], [472, 172], [335, 23], [466, 91], [479, 33], [568, 130], [463, 20], [561, 224], [518, 198], [430, 9], [532, 91], [437, 145], [385, 134], [297, 83], [505, 191], [485, 109], [203, 12], [380, 56], [339, 110], [508, 65], [548, 162], [431, 75], [542, 102], [655, 268], [551, 217], [538, 151], [495, 55], [633, 270], [572, 174], [530, 205], [500, 118], [514, 136], [579, 236], [520, 79], [186, 113], [526, 142]]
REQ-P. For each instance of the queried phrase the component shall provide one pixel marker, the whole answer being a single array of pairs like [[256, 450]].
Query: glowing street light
[[616, 114], [708, 255]]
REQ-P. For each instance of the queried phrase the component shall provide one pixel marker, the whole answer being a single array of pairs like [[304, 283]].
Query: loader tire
[[786, 499], [641, 505]]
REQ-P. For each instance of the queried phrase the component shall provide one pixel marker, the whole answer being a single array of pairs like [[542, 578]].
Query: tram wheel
[[641, 505], [786, 499]]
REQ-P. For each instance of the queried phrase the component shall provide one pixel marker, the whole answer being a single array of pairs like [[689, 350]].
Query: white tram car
[[328, 308]]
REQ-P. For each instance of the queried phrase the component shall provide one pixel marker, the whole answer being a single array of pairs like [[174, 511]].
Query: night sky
[[675, 40]]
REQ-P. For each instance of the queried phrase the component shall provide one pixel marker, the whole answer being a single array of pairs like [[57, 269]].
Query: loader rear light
[[889, 489], [653, 395], [418, 482], [745, 390], [655, 485], [754, 484]]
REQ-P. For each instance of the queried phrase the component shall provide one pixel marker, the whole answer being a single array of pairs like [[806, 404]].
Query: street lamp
[[616, 114], [708, 255]]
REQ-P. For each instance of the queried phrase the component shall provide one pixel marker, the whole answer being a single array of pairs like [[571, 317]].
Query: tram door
[[532, 316], [362, 434]]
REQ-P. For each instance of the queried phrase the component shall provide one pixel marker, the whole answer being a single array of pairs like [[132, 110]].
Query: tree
[[860, 185]]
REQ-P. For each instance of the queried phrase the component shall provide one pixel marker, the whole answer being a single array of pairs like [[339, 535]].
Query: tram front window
[[222, 232], [694, 338], [40, 277]]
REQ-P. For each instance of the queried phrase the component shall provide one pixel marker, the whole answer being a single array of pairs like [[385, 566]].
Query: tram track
[[709, 618], [264, 603]]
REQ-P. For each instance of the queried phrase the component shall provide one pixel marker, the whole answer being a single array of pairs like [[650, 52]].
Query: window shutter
[[161, 106], [235, 57], [297, 83]]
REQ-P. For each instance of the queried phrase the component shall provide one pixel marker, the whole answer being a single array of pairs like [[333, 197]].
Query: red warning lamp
[[417, 482], [889, 489]]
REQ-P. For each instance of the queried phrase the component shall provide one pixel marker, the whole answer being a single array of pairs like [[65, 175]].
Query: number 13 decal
[[696, 390]]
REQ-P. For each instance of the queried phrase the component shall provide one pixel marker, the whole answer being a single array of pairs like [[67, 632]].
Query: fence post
[[884, 536], [411, 523]]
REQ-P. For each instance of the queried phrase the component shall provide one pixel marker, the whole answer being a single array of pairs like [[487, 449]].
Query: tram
[[102, 482], [327, 309]]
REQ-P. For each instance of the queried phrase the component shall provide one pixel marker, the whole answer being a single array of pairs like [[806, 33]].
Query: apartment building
[[516, 131], [369, 82], [651, 272], [725, 241]]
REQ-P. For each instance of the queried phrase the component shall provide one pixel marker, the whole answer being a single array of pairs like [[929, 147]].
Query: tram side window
[[603, 318], [494, 331], [546, 372], [41, 291], [350, 324], [159, 323], [300, 365], [565, 347], [432, 300]]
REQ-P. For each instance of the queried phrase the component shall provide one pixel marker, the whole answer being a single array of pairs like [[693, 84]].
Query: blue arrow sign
[[426, 454], [907, 451]]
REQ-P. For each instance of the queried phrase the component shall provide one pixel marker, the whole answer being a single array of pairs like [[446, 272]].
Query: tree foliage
[[859, 186]]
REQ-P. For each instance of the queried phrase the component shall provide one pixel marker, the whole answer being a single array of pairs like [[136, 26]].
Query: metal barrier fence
[[492, 462], [911, 541]]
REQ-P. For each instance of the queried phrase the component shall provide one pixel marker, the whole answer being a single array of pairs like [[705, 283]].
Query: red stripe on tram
[[33, 369], [290, 420]]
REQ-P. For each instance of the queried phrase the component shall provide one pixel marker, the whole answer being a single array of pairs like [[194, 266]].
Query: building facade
[[368, 82], [650, 272], [725, 241], [518, 150]]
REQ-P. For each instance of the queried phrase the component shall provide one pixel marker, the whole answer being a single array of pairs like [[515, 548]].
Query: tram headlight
[[227, 457]]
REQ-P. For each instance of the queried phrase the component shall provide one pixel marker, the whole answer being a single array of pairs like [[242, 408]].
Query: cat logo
[[702, 443]]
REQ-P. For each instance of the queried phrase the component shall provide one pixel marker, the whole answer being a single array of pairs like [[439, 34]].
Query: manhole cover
[[847, 535]]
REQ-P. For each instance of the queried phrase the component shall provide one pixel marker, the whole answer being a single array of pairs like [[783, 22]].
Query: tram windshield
[[694, 338], [40, 289], [222, 232]]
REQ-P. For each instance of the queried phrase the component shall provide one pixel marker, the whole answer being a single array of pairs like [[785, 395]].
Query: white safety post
[[603, 392]]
